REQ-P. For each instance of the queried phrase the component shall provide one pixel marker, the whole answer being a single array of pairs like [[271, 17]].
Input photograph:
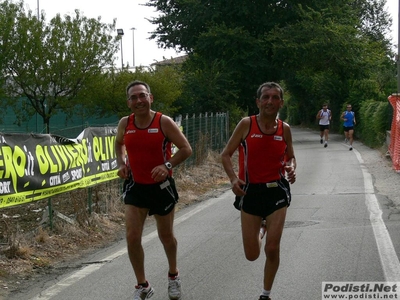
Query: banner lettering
[[38, 166]]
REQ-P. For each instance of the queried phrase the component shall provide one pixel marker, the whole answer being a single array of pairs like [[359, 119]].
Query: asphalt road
[[342, 226]]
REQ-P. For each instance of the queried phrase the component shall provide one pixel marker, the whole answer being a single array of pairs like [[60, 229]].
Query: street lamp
[[133, 46], [120, 33]]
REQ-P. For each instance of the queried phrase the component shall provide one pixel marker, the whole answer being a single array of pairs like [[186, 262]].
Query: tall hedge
[[373, 120]]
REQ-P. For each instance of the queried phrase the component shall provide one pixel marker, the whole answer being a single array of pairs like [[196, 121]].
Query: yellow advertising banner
[[38, 166]]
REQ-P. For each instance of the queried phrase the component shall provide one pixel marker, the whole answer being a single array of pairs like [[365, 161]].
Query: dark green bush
[[373, 120]]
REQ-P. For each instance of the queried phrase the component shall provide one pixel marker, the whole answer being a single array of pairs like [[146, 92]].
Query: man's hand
[[123, 171], [159, 173], [290, 174], [237, 187]]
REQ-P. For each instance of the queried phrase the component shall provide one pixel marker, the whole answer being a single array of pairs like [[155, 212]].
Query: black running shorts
[[346, 129], [323, 127], [262, 199], [159, 198]]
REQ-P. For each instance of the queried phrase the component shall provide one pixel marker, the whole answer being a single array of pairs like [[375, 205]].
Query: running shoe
[[142, 293], [321, 141], [351, 148], [326, 145], [345, 141], [174, 288], [264, 298]]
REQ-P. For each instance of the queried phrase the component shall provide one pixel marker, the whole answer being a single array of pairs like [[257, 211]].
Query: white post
[[133, 46]]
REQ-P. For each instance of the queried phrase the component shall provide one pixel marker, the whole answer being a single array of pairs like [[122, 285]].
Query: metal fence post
[[90, 200], [50, 208], [211, 130]]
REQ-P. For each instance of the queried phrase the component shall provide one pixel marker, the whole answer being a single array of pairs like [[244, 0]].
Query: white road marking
[[389, 260]]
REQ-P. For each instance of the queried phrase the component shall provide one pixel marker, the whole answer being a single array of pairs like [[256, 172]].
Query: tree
[[46, 65], [221, 34], [324, 54], [317, 48], [8, 11], [375, 21], [105, 94]]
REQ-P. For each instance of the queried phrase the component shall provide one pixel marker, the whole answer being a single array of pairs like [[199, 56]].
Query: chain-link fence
[[60, 123], [205, 132]]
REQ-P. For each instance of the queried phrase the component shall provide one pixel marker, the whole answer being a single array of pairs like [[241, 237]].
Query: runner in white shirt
[[324, 116]]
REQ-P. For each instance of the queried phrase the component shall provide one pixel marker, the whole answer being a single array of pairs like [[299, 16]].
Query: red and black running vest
[[262, 156], [146, 148]]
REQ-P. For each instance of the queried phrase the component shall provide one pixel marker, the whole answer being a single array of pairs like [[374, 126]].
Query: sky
[[136, 45], [128, 14], [393, 9]]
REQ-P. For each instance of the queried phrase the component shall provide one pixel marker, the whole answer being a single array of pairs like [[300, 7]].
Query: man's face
[[270, 100], [139, 99]]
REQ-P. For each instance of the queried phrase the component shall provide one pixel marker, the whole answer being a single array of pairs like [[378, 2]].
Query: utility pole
[[120, 33], [133, 46]]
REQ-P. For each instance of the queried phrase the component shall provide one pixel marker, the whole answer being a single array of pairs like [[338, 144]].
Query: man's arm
[[120, 149], [290, 159], [175, 135], [237, 137]]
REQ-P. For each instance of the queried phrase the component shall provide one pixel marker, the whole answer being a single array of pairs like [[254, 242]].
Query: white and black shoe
[[142, 293], [174, 288]]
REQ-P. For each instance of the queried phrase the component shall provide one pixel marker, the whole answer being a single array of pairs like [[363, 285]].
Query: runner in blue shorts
[[349, 120]]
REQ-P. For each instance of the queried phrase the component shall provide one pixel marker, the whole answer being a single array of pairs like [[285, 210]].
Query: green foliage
[[331, 51], [210, 88], [375, 119], [166, 86], [227, 46], [105, 94], [324, 51], [323, 55], [375, 21], [206, 83], [48, 64]]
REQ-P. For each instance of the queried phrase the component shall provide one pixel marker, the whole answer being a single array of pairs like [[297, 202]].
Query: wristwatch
[[168, 165]]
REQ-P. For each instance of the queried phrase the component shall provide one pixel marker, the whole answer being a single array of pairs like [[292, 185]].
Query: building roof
[[171, 61]]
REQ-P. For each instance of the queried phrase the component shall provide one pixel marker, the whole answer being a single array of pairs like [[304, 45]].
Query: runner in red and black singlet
[[266, 157], [146, 137], [146, 148], [261, 156]]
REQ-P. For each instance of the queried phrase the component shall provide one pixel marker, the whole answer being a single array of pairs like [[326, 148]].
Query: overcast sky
[[130, 14]]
